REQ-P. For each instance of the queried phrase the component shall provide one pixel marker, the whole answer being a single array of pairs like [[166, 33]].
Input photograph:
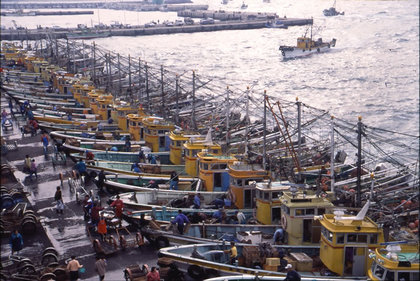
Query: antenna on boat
[[208, 140]]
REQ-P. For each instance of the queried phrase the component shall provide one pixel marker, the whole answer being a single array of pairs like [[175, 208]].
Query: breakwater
[[46, 13], [36, 34]]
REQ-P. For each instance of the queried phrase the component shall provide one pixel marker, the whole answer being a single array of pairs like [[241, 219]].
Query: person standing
[[241, 217], [27, 164], [180, 220], [233, 253], [16, 241], [81, 168], [59, 198], [33, 170], [94, 213], [100, 267], [174, 181], [73, 267], [101, 180], [292, 275], [102, 227], [153, 275], [45, 140], [127, 144], [118, 204], [197, 201]]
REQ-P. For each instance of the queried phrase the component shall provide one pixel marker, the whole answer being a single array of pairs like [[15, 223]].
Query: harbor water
[[373, 71]]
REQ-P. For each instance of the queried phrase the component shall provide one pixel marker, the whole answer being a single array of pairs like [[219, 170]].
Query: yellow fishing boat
[[346, 240], [213, 170], [193, 146], [104, 102], [398, 261], [155, 133], [242, 183], [135, 123], [122, 113], [178, 138]]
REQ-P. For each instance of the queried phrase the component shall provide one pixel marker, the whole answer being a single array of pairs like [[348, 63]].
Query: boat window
[[194, 152], [258, 194], [299, 212], [327, 234], [161, 132], [321, 211], [275, 195], [178, 143], [286, 209], [310, 212], [239, 182], [415, 275], [266, 195], [362, 238], [401, 276], [223, 166], [205, 166], [340, 238], [216, 151], [351, 238]]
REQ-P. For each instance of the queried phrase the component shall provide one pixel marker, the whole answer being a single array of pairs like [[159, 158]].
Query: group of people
[[29, 166]]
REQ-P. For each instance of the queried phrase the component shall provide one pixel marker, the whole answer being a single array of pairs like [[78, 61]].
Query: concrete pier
[[36, 34]]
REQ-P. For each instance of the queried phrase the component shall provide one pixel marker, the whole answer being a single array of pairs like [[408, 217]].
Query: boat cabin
[[398, 261], [155, 133], [135, 124], [84, 98], [305, 43], [122, 112], [243, 177], [177, 139], [345, 243], [104, 101], [192, 147], [93, 103], [64, 80], [213, 170]]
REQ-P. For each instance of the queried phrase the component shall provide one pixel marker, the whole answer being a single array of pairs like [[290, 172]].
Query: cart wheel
[[25, 215], [48, 258], [139, 239], [123, 242], [28, 227], [113, 242], [29, 212], [24, 261], [28, 269], [48, 276], [97, 246], [7, 202], [50, 250], [53, 264], [60, 273], [25, 219]]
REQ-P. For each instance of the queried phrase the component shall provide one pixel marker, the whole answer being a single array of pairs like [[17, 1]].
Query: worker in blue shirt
[[180, 220], [197, 201], [219, 215], [81, 168], [279, 236]]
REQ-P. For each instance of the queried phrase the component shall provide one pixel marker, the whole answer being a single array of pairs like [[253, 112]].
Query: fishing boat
[[85, 35], [332, 11], [276, 24], [399, 260], [343, 252], [156, 226], [306, 46], [244, 6]]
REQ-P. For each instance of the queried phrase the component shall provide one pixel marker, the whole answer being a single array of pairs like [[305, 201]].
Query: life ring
[[284, 222]]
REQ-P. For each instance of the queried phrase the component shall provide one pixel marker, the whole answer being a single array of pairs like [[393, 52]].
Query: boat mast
[[332, 154], [265, 133], [227, 115], [247, 120], [359, 161], [299, 135]]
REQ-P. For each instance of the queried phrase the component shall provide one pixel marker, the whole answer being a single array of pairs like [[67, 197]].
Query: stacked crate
[[251, 255]]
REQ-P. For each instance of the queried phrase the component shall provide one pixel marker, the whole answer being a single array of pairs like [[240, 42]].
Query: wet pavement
[[65, 232]]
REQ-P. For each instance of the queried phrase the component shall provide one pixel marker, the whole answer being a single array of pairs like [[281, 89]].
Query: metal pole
[[332, 154], [227, 115], [140, 95], [162, 91], [147, 84], [299, 108], [94, 63], [119, 75], [265, 133], [68, 55], [359, 161], [129, 76], [247, 120], [193, 102], [177, 99]]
